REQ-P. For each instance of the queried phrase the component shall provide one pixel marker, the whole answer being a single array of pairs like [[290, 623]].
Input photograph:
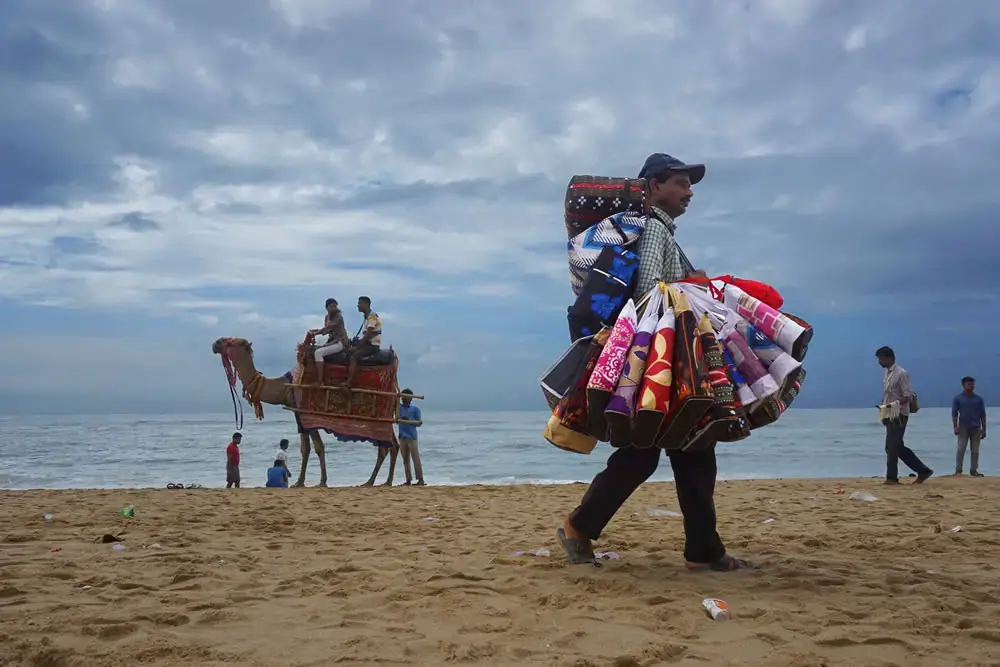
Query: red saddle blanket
[[349, 416]]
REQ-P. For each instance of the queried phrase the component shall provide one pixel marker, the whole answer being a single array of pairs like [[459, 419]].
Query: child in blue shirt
[[277, 475]]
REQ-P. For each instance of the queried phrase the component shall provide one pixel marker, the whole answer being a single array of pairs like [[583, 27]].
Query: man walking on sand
[[233, 462], [408, 438], [968, 419], [894, 412], [660, 258]]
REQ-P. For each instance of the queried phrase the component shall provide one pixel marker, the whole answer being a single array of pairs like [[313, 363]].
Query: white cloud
[[232, 164]]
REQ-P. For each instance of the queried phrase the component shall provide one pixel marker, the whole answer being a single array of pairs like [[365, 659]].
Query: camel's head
[[229, 343]]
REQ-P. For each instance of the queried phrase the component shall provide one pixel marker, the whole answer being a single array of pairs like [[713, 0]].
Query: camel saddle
[[384, 357]]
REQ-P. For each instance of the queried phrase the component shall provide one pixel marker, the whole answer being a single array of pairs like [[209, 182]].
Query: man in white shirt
[[894, 412], [282, 455]]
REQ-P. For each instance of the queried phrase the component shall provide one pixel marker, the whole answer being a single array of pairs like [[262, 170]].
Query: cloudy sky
[[172, 171]]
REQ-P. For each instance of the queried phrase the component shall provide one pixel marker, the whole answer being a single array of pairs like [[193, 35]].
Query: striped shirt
[[896, 393], [660, 258]]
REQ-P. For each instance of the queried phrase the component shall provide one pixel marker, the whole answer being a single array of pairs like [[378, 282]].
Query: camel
[[272, 391]]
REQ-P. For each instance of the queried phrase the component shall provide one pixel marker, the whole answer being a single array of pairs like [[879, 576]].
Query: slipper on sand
[[725, 564], [578, 551]]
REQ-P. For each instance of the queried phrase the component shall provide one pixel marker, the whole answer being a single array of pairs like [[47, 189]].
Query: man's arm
[[420, 418], [954, 413], [982, 417]]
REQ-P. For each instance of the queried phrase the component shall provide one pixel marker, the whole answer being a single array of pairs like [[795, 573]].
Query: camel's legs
[[321, 453], [304, 449], [379, 458], [393, 453]]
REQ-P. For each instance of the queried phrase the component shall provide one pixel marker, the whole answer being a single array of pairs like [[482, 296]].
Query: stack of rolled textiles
[[691, 364]]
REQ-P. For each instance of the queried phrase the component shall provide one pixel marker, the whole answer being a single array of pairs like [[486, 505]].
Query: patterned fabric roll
[[743, 392], [762, 384], [654, 396], [791, 336], [769, 410], [722, 421], [622, 405], [690, 390], [608, 370], [779, 364]]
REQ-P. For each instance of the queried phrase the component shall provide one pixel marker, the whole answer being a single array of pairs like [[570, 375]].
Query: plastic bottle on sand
[[716, 608]]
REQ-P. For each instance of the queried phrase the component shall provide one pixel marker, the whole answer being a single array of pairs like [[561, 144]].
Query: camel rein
[[251, 390]]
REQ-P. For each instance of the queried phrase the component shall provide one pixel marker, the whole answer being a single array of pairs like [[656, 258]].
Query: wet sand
[[419, 576]]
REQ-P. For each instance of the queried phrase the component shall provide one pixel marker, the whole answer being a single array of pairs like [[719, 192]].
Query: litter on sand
[[541, 553], [661, 512], [863, 496], [768, 520], [606, 555], [956, 529]]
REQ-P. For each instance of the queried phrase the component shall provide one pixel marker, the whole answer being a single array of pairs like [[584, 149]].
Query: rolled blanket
[[757, 377], [690, 390], [723, 421], [743, 392], [768, 411], [608, 370], [779, 364], [621, 406], [790, 335], [654, 396]]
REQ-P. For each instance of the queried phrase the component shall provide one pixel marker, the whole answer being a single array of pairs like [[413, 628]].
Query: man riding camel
[[370, 341], [333, 326]]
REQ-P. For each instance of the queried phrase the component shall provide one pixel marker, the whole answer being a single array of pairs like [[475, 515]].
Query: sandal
[[173, 486], [725, 564], [578, 551]]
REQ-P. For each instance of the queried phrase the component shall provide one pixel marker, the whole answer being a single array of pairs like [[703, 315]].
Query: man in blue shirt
[[277, 475], [968, 418], [408, 437]]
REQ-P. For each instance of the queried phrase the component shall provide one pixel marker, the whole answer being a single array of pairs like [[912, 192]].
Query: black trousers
[[694, 475], [896, 450]]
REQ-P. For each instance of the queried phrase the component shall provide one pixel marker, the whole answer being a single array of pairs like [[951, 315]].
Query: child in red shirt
[[233, 462]]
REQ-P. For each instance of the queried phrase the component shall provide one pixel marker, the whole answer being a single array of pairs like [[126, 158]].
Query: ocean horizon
[[457, 448]]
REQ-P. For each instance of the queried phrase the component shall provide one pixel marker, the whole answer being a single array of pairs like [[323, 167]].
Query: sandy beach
[[420, 576]]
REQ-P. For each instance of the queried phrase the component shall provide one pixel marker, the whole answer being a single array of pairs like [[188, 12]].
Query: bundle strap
[[716, 292]]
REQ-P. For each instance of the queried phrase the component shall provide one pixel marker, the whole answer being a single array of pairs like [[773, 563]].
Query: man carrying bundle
[[660, 259]]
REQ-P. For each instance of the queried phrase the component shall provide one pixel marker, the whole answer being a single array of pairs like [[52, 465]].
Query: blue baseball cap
[[658, 163]]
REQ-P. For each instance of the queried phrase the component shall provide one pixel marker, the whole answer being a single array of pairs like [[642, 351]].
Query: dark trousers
[[896, 450], [694, 475]]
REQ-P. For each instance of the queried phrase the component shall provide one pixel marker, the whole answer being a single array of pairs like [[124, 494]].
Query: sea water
[[123, 451]]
